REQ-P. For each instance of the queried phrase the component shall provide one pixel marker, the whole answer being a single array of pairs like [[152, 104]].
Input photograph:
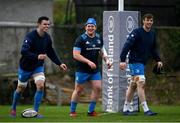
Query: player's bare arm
[[105, 58]]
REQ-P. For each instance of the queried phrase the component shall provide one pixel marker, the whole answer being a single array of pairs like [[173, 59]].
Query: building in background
[[26, 11], [17, 17]]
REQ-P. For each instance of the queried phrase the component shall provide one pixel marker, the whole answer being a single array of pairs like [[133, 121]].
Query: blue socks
[[16, 97], [37, 99], [92, 106], [73, 106]]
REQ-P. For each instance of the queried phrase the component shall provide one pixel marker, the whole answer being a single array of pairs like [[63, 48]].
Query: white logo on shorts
[[137, 71], [77, 78]]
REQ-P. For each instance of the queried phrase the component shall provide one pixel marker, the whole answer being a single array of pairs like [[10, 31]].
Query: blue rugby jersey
[[32, 46], [141, 45], [89, 48]]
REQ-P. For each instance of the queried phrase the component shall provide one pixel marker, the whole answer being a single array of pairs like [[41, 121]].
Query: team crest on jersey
[[87, 42], [98, 41], [132, 35]]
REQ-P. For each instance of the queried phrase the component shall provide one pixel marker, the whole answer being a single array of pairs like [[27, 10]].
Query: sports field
[[61, 114]]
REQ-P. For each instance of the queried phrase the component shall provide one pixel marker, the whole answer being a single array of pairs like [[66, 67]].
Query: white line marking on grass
[[102, 114]]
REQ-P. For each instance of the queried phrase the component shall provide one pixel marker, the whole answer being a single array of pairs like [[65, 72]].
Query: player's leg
[[140, 80], [75, 97], [23, 77], [95, 80], [80, 79], [39, 80], [129, 95], [137, 69], [130, 92]]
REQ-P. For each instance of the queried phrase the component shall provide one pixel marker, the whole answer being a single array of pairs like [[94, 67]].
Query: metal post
[[120, 5]]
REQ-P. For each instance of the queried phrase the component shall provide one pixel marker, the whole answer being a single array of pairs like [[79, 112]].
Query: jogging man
[[140, 44], [36, 46], [86, 51]]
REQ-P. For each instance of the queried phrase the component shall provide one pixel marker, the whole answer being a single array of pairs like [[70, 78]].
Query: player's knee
[[21, 86], [39, 81], [40, 85], [98, 88], [140, 81], [78, 90], [39, 78], [141, 84], [133, 84]]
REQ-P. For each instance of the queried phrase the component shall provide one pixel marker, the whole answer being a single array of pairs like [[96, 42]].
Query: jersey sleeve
[[133, 36], [25, 50], [77, 44], [155, 52], [102, 45], [102, 42]]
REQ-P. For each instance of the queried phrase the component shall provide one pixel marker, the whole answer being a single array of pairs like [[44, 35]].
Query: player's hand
[[109, 64], [160, 64], [122, 65], [42, 56], [92, 65], [63, 67]]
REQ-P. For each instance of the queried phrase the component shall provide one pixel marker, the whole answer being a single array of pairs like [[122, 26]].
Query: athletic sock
[[145, 106], [92, 106], [37, 99], [73, 106], [16, 97], [126, 106]]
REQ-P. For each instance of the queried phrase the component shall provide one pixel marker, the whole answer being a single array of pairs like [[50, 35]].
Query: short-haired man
[[140, 44], [86, 51], [36, 46]]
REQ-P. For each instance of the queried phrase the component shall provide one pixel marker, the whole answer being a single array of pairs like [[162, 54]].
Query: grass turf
[[61, 114]]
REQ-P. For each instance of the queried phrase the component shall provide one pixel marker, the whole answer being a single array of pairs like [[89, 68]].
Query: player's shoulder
[[80, 38], [83, 36], [30, 36], [32, 33], [137, 30], [153, 30], [134, 33], [98, 35]]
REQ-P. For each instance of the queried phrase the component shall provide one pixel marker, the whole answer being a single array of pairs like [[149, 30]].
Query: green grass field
[[61, 114]]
